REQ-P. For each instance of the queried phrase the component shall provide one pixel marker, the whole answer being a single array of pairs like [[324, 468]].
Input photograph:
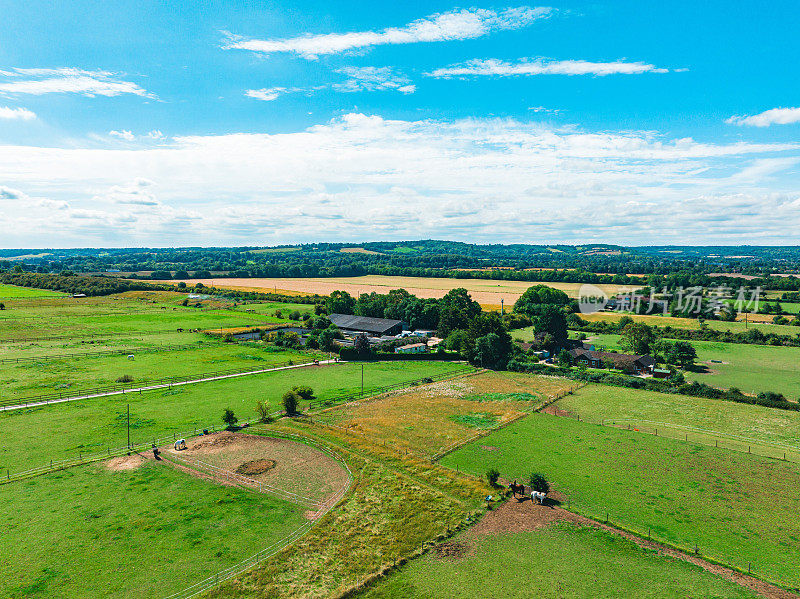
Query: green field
[[13, 291], [751, 368], [767, 431], [71, 376], [738, 508], [561, 560], [149, 532], [127, 313], [93, 425]]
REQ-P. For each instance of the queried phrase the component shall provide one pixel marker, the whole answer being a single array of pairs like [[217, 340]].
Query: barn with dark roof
[[366, 324]]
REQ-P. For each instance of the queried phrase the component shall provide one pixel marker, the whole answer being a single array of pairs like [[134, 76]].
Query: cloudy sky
[[152, 123]]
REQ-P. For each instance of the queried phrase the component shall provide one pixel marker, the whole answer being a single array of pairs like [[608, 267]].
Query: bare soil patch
[[254, 467], [125, 462], [554, 410], [280, 463]]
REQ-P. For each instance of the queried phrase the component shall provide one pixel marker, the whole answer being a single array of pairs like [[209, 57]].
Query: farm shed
[[627, 362], [414, 348], [375, 327]]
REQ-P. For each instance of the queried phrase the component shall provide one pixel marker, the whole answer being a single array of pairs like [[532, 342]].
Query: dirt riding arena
[[523, 516], [291, 466]]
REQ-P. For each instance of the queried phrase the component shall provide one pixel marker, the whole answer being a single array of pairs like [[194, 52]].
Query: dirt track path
[[521, 516]]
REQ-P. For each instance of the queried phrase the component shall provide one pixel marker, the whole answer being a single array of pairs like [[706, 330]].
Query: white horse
[[538, 497]]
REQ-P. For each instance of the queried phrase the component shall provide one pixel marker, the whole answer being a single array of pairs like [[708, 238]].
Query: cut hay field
[[486, 292], [766, 431], [139, 533], [737, 508], [76, 375], [93, 425], [431, 417], [14, 291], [738, 326], [560, 560]]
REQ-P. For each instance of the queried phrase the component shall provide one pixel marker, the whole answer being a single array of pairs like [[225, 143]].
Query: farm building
[[414, 348], [375, 327], [627, 362]]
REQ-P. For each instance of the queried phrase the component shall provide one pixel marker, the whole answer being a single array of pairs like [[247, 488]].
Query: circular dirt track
[[288, 465]]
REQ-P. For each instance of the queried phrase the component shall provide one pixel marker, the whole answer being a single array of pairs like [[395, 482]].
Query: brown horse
[[515, 488]]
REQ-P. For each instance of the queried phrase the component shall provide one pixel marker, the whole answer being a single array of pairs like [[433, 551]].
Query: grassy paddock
[[72, 376], [149, 532], [91, 426], [766, 431], [577, 562], [14, 291], [434, 416], [737, 508]]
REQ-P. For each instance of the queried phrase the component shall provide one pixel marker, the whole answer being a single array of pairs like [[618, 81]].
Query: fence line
[[104, 352], [115, 389], [604, 516]]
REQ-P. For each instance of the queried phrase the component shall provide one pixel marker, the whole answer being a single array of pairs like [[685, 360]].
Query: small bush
[[290, 401], [539, 483], [492, 474], [125, 378], [262, 410], [304, 391], [229, 418]]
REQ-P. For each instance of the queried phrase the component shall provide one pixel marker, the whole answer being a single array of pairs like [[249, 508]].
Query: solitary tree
[[229, 418], [290, 401], [636, 338], [492, 474], [539, 483], [263, 412]]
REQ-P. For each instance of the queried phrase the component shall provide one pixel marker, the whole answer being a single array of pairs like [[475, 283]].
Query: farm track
[[166, 385]]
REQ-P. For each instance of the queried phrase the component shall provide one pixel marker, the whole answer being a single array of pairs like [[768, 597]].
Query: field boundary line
[[176, 383]]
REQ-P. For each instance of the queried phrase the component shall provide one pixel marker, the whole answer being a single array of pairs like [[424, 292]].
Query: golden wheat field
[[488, 293]]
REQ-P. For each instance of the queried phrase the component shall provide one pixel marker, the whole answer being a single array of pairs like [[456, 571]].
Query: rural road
[[166, 385]]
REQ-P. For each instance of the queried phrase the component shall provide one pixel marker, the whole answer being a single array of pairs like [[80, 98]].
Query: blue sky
[[165, 123]]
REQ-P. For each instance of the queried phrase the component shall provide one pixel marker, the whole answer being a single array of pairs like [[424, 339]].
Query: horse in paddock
[[515, 488]]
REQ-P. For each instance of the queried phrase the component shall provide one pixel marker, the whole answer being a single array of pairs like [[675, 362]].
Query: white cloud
[[459, 24], [155, 134], [268, 94], [22, 114], [373, 79], [543, 66], [774, 116], [124, 134], [365, 177], [67, 80]]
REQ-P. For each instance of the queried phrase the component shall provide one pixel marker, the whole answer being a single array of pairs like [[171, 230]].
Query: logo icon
[[591, 299]]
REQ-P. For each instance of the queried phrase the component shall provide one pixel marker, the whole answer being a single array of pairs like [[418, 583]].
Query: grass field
[[13, 291], [738, 326], [432, 417], [561, 560], [751, 368], [72, 376], [487, 292], [143, 533], [766, 431], [738, 508], [90, 426], [131, 312]]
